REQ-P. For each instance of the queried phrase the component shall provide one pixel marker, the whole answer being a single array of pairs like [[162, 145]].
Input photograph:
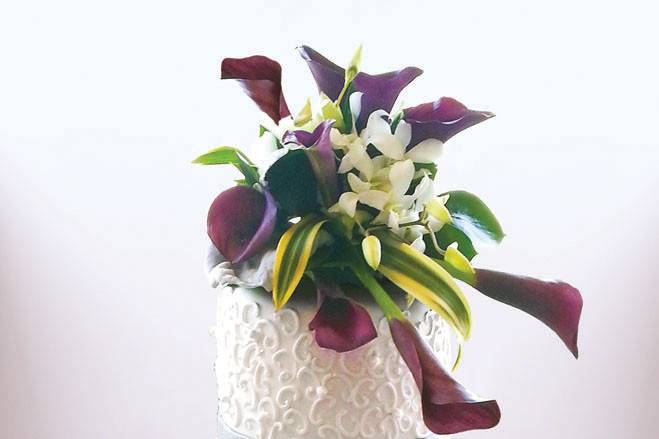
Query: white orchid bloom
[[378, 133], [383, 182], [357, 157], [427, 151], [394, 146]]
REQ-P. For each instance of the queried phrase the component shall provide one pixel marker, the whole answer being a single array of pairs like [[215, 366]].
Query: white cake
[[275, 382]]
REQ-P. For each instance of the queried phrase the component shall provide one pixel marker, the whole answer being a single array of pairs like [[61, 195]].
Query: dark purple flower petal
[[447, 406], [323, 162], [329, 77], [341, 324], [306, 138], [241, 221], [260, 77], [381, 91], [556, 304], [441, 119]]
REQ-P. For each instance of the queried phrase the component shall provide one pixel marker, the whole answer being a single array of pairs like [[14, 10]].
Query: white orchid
[[383, 182]]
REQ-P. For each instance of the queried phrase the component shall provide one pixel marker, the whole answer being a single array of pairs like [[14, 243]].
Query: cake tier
[[275, 382]]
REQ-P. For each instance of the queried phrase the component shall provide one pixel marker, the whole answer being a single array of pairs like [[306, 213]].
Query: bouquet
[[344, 196]]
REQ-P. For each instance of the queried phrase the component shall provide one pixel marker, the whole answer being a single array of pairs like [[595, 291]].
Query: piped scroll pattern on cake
[[275, 382]]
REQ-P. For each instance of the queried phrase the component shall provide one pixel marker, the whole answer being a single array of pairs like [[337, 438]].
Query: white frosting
[[275, 382], [255, 272]]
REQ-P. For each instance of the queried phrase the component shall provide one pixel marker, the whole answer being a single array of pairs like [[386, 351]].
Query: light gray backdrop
[[104, 309]]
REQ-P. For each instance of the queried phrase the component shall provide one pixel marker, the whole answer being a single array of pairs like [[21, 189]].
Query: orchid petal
[[401, 175], [424, 191], [355, 104], [348, 203], [340, 324], [418, 244], [241, 221], [377, 124], [260, 77], [441, 119], [403, 133], [357, 184], [393, 220], [345, 165], [448, 407], [374, 198], [360, 159], [426, 151], [557, 304], [388, 145]]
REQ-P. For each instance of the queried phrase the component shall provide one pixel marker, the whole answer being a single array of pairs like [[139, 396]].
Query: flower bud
[[372, 251], [457, 260], [437, 210]]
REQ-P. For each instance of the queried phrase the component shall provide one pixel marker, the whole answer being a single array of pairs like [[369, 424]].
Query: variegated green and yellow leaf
[[292, 256], [427, 281]]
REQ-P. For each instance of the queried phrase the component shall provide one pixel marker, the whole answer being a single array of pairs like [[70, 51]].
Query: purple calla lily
[[448, 407], [322, 158], [379, 91], [329, 77], [260, 77], [340, 324], [241, 221], [441, 119], [557, 304]]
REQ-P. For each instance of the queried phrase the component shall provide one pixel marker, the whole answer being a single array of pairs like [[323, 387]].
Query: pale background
[[104, 308]]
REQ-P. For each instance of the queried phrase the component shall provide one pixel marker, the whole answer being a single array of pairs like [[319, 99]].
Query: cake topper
[[346, 198]]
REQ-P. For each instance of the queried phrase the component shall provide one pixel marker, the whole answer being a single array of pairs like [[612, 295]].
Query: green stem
[[435, 244], [363, 273], [410, 224]]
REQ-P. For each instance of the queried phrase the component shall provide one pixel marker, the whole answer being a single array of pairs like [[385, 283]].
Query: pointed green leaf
[[292, 256], [331, 110], [473, 217], [228, 155], [427, 281], [304, 115]]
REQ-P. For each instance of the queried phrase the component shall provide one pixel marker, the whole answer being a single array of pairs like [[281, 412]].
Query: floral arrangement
[[346, 199]]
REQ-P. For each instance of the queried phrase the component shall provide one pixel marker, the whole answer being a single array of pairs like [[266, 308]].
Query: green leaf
[[473, 217], [263, 130], [292, 256], [350, 74], [394, 124], [366, 276], [427, 281], [446, 236], [292, 182], [228, 155], [331, 110], [345, 110], [353, 68]]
